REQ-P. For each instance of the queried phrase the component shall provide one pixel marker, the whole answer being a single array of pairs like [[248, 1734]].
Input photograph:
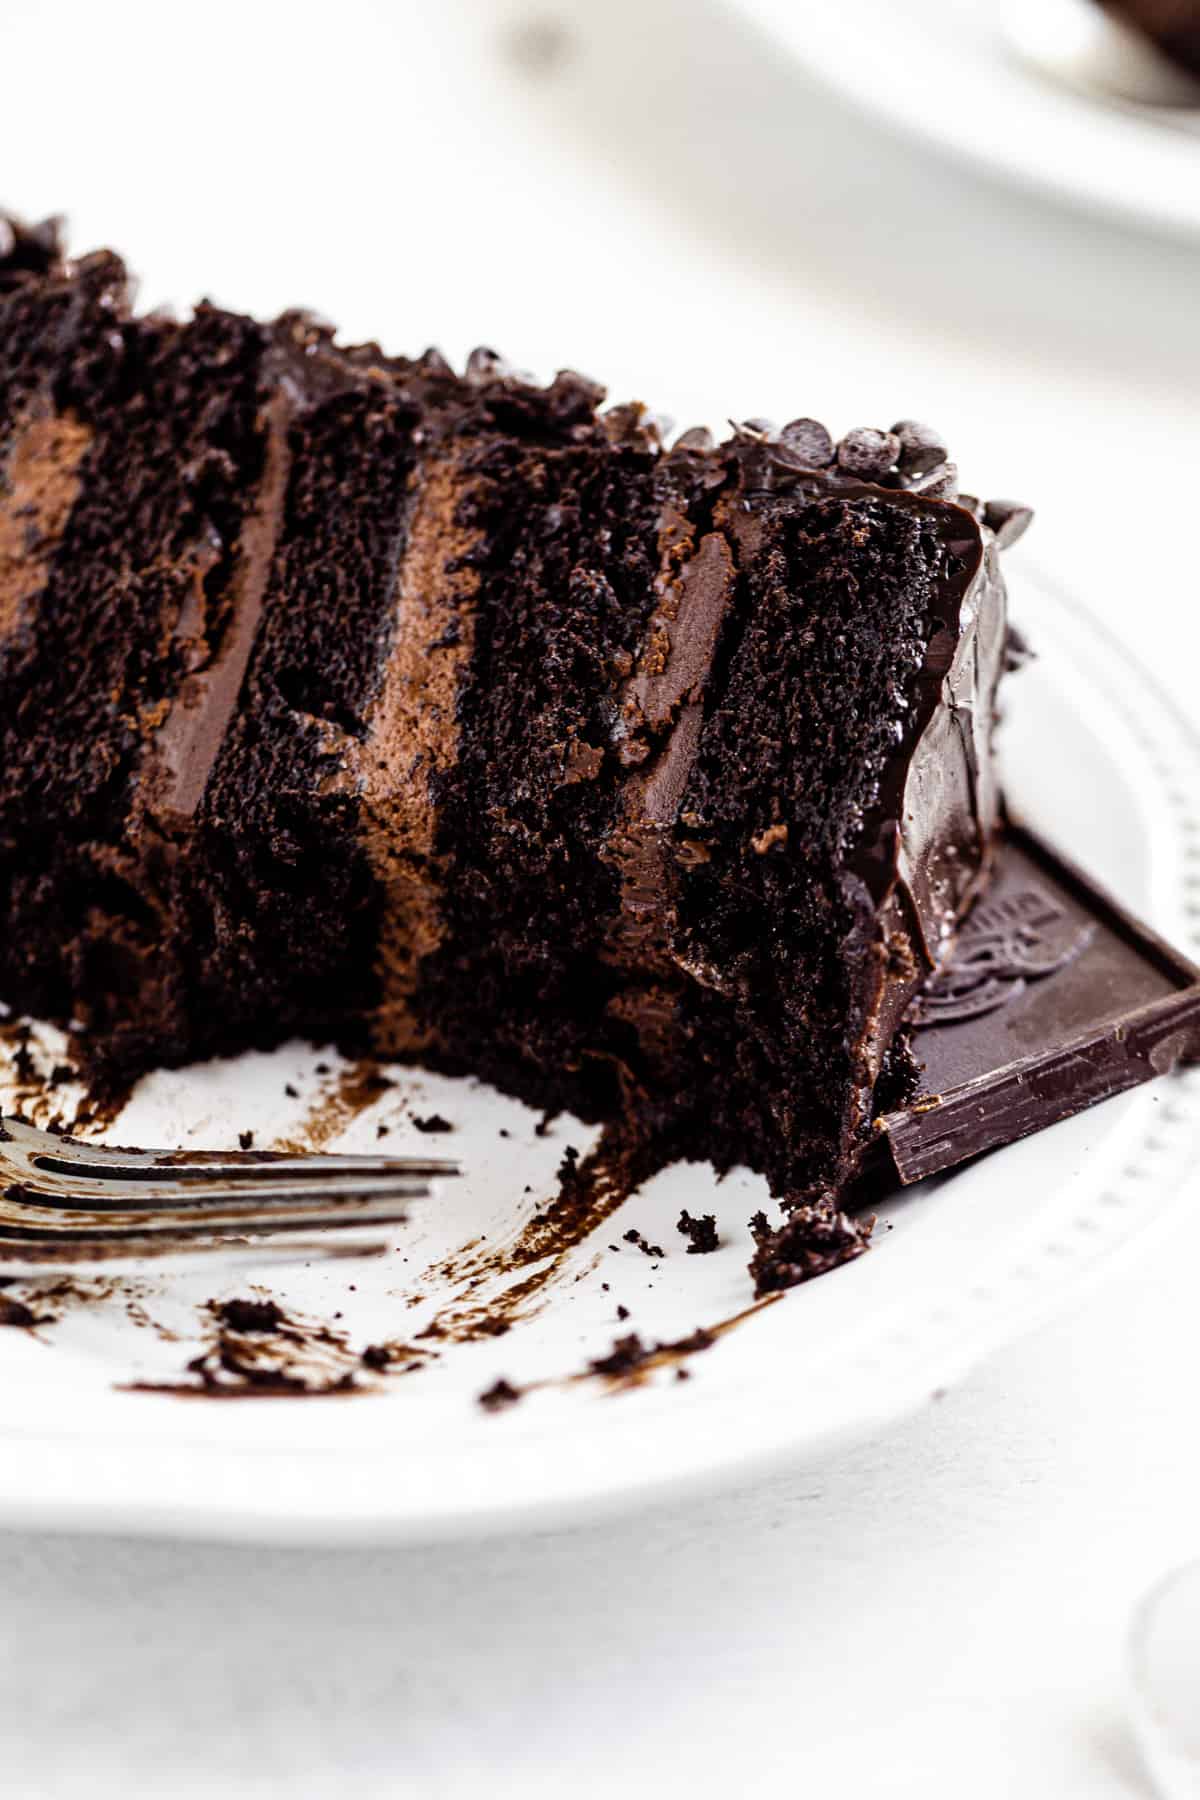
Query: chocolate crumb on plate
[[248, 1315], [500, 1395], [701, 1232], [432, 1122], [15, 1312], [633, 1236], [631, 1353], [812, 1240]]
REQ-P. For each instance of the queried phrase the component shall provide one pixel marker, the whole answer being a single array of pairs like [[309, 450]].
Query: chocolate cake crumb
[[292, 1092], [15, 1312], [633, 1236], [321, 1068], [432, 1122], [248, 1315], [246, 1140], [256, 1349], [812, 1240], [24, 1067], [500, 1395], [622, 1311], [376, 1356], [374, 1081], [701, 1233], [700, 1339], [628, 1353], [568, 1168], [382, 1131]]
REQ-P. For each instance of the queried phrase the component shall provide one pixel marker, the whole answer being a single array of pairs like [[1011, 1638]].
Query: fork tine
[[176, 1230], [61, 1215], [67, 1201], [114, 1197], [263, 1165], [27, 1260], [69, 1156]]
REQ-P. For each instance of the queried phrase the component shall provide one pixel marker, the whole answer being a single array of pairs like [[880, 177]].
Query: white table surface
[[652, 195]]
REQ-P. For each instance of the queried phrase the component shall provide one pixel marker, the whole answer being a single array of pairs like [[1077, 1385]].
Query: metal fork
[[62, 1201]]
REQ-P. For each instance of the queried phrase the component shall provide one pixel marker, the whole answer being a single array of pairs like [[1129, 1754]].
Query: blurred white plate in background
[[967, 77]]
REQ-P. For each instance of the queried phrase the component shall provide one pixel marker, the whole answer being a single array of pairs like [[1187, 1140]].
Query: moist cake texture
[[455, 717]]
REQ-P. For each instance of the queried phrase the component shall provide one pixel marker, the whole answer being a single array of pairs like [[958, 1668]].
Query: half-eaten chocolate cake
[[449, 715]]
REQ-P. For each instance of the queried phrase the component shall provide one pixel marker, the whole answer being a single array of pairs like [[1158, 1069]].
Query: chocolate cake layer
[[352, 697], [129, 446], [565, 564], [817, 836]]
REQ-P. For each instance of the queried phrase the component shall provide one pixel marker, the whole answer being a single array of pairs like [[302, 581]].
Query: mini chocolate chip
[[1008, 519], [697, 437], [866, 452], [485, 365], [432, 362], [759, 431], [809, 442], [921, 447], [939, 484]]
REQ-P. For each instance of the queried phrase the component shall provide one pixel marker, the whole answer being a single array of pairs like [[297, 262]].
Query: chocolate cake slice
[[454, 717]]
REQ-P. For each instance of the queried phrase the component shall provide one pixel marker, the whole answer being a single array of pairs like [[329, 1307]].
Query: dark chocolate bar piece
[[1056, 997]]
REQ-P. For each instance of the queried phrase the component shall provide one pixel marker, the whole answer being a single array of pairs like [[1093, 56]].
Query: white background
[[652, 195]]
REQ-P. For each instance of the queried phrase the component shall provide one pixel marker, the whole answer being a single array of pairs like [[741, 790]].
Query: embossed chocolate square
[[1056, 998]]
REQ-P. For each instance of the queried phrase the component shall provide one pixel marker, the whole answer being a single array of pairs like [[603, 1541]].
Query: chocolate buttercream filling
[[412, 738], [40, 479], [659, 724], [188, 741]]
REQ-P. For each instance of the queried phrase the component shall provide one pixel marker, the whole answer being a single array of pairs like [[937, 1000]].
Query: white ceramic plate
[[1096, 758], [967, 76]]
